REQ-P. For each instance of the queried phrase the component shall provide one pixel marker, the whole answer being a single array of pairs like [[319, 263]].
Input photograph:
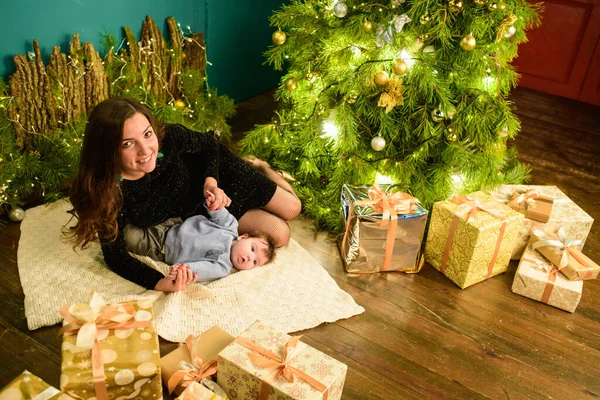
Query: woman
[[135, 170]]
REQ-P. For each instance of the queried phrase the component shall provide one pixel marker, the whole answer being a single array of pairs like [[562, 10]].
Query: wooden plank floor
[[421, 337]]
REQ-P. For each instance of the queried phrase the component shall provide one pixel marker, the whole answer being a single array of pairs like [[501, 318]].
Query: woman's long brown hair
[[96, 193]]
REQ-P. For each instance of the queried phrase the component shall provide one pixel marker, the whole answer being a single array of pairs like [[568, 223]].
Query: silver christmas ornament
[[340, 9], [378, 143], [16, 214], [510, 31]]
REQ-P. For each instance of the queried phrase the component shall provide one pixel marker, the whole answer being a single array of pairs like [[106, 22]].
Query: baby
[[209, 246]]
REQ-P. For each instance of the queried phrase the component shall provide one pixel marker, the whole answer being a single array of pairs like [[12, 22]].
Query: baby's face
[[247, 252]]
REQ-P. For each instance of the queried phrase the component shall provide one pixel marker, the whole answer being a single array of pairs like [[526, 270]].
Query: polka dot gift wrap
[[129, 352], [29, 387]]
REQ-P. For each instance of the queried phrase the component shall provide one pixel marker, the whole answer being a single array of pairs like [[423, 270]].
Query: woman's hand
[[180, 276], [215, 196]]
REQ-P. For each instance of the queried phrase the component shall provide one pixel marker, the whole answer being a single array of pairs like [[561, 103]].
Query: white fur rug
[[292, 294]]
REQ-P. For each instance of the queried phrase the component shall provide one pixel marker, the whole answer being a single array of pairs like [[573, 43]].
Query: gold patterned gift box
[[565, 213], [379, 237], [471, 238], [196, 361], [27, 386], [539, 280], [110, 351], [264, 363]]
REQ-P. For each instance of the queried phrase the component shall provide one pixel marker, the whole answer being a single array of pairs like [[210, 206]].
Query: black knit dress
[[175, 189]]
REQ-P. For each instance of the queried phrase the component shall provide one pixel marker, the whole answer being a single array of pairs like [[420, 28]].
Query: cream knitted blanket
[[292, 294]]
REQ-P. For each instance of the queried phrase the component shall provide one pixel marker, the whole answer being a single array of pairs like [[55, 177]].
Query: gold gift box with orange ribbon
[[195, 361], [538, 279], [384, 230], [27, 386], [264, 363], [471, 238], [110, 350], [575, 222]]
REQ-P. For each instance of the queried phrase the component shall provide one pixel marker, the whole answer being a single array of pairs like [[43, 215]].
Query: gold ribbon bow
[[86, 320], [280, 365], [194, 372], [566, 246], [469, 207], [389, 205]]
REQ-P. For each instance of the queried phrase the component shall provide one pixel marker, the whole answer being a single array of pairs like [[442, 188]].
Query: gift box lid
[[354, 193]]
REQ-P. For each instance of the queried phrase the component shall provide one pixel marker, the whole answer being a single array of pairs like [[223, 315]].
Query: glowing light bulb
[[383, 179], [407, 57]]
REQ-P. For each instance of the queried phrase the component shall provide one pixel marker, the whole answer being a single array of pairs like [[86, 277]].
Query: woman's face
[[138, 148]]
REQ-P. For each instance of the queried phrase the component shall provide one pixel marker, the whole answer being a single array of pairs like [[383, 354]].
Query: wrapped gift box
[[249, 368], [537, 279], [469, 248], [204, 348], [196, 391], [29, 387], [577, 266], [128, 344], [565, 213], [370, 245]]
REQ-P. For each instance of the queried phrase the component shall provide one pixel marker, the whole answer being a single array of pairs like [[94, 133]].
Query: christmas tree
[[413, 93], [40, 140]]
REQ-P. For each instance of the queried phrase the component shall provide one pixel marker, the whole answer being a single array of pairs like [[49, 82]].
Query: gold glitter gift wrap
[[471, 238], [384, 230]]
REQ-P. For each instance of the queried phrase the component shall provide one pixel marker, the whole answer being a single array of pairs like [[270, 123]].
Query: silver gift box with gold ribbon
[[384, 229]]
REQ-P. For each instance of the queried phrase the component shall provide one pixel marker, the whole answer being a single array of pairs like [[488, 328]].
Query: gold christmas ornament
[[468, 42], [480, 2], [352, 96], [279, 37], [381, 78], [452, 136], [180, 104], [367, 26], [378, 143], [399, 67], [503, 132], [455, 5], [437, 115], [425, 18], [291, 84], [393, 95], [16, 214]]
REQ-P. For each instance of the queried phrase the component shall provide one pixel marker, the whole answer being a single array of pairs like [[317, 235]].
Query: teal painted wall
[[236, 31]]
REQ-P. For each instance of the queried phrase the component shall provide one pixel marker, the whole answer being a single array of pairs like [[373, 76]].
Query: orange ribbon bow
[[194, 372], [280, 365], [86, 320], [551, 277], [470, 206], [389, 205], [529, 196]]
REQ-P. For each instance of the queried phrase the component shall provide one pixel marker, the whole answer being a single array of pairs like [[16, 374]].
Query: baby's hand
[[210, 199]]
